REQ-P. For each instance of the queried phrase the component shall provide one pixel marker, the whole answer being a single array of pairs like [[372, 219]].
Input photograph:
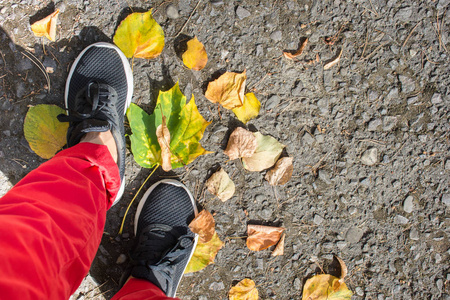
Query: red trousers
[[51, 224]]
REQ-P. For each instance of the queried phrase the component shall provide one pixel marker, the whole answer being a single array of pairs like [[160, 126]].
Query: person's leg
[[52, 221]]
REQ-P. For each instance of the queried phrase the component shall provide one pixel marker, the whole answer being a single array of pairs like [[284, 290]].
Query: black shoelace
[[97, 95]]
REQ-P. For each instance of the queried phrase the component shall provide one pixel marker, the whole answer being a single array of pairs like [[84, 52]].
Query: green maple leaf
[[186, 126]]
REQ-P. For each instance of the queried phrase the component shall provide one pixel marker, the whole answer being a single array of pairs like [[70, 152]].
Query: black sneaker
[[98, 92], [164, 243]]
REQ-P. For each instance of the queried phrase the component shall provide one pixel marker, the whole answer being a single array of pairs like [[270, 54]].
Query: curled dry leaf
[[45, 134], [139, 35], [244, 290], [204, 254], [267, 152], [261, 237], [47, 26], [227, 90], [195, 57], [221, 185], [163, 136], [282, 172], [292, 55], [279, 249], [203, 225], [249, 110], [242, 143], [344, 269], [334, 61], [325, 286]]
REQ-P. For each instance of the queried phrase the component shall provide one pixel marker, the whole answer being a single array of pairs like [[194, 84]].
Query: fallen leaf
[[163, 136], [261, 237], [227, 90], [334, 61], [325, 287], [186, 127], [344, 269], [139, 35], [242, 143], [267, 152], [203, 225], [279, 249], [195, 56], [249, 110], [281, 173], [290, 55], [45, 134], [221, 185], [47, 26], [244, 290], [204, 254]]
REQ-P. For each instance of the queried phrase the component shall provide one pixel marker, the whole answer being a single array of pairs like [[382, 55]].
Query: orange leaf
[[261, 237], [290, 55], [163, 136], [279, 249], [242, 143], [227, 90], [203, 225], [333, 61], [46, 27]]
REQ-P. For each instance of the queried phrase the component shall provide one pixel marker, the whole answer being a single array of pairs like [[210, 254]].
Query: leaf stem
[[129, 205]]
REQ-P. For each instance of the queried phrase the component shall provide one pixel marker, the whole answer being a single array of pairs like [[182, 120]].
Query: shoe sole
[[129, 75], [147, 193]]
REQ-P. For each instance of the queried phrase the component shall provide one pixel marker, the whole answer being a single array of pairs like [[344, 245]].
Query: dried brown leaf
[[344, 269], [163, 135], [281, 173], [242, 143], [227, 90], [334, 61], [279, 249], [221, 185], [290, 55], [261, 237], [203, 225]]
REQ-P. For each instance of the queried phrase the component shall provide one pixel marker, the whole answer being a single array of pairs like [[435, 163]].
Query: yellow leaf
[[204, 254], [267, 152], [195, 57], [244, 290], [46, 27], [139, 35], [249, 110], [221, 185], [45, 134], [261, 237], [203, 225], [325, 287], [227, 90], [163, 136]]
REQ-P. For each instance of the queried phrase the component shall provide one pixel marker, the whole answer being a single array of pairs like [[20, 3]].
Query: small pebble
[[359, 291], [370, 157], [446, 199], [242, 13], [276, 36], [399, 219], [318, 219], [408, 204], [216, 286], [353, 235], [121, 259]]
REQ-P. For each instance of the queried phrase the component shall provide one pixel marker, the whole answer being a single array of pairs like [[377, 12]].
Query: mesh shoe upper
[[164, 242]]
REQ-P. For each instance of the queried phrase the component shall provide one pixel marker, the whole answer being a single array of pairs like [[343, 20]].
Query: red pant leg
[[51, 223], [139, 289]]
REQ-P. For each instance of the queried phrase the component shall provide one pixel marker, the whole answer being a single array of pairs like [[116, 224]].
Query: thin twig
[[381, 143], [185, 23], [365, 45], [38, 64], [373, 7], [409, 35], [374, 51]]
